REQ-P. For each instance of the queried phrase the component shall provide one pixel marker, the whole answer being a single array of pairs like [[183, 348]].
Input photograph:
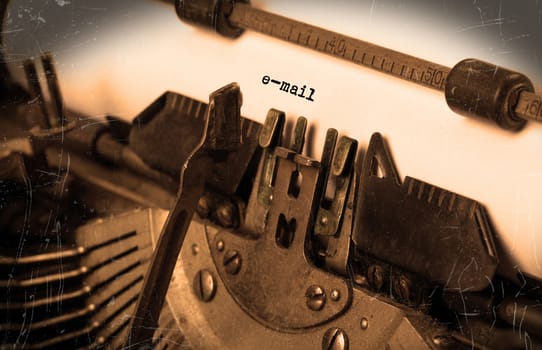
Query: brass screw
[[195, 249], [226, 214], [232, 262], [401, 288], [335, 295], [442, 341], [316, 298], [205, 285], [204, 206], [375, 275], [323, 220], [335, 339], [364, 323], [360, 280]]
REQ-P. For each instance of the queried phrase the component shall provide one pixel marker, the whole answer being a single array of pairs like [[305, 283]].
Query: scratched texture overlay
[[116, 57]]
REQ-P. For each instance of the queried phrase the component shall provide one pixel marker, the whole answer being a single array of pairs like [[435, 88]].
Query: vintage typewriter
[[194, 227]]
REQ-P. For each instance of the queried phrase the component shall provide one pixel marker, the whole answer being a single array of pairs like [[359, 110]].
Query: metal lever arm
[[214, 139], [167, 250]]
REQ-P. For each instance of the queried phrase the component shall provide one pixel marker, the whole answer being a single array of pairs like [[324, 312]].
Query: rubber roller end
[[478, 89], [209, 13]]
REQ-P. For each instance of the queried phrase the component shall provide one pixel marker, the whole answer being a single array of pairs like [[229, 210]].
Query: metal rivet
[[232, 262], [220, 245], [195, 249], [335, 295], [375, 275], [401, 288], [437, 340], [335, 339], [360, 280], [364, 323], [323, 220], [226, 214], [204, 208], [205, 285], [316, 298], [442, 341]]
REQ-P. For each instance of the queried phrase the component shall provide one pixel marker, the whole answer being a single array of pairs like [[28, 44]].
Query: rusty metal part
[[262, 191], [529, 106], [121, 182], [78, 292], [524, 313], [335, 339], [316, 298], [334, 220], [424, 229], [232, 262], [36, 93], [170, 126], [52, 114], [342, 170], [205, 285], [287, 273], [265, 290], [215, 324], [58, 118], [197, 166]]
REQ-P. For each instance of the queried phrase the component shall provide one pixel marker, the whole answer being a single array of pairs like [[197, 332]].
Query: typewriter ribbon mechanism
[[101, 247]]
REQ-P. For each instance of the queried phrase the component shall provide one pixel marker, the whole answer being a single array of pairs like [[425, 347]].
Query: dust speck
[[62, 3]]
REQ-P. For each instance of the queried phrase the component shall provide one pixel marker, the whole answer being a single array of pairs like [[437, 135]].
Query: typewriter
[[194, 225]]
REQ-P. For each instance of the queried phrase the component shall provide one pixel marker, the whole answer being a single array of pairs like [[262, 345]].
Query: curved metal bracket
[[271, 277]]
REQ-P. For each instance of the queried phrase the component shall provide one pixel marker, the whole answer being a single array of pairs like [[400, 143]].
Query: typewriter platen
[[334, 250]]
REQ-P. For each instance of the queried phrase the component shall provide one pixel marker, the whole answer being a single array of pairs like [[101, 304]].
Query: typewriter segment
[[194, 227]]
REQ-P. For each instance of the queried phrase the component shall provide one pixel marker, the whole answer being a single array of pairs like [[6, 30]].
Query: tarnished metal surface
[[439, 235], [80, 292], [214, 138], [369, 322], [269, 289], [290, 253]]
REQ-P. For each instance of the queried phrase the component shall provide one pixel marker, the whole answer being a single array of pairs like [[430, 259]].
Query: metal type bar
[[218, 136], [168, 247]]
